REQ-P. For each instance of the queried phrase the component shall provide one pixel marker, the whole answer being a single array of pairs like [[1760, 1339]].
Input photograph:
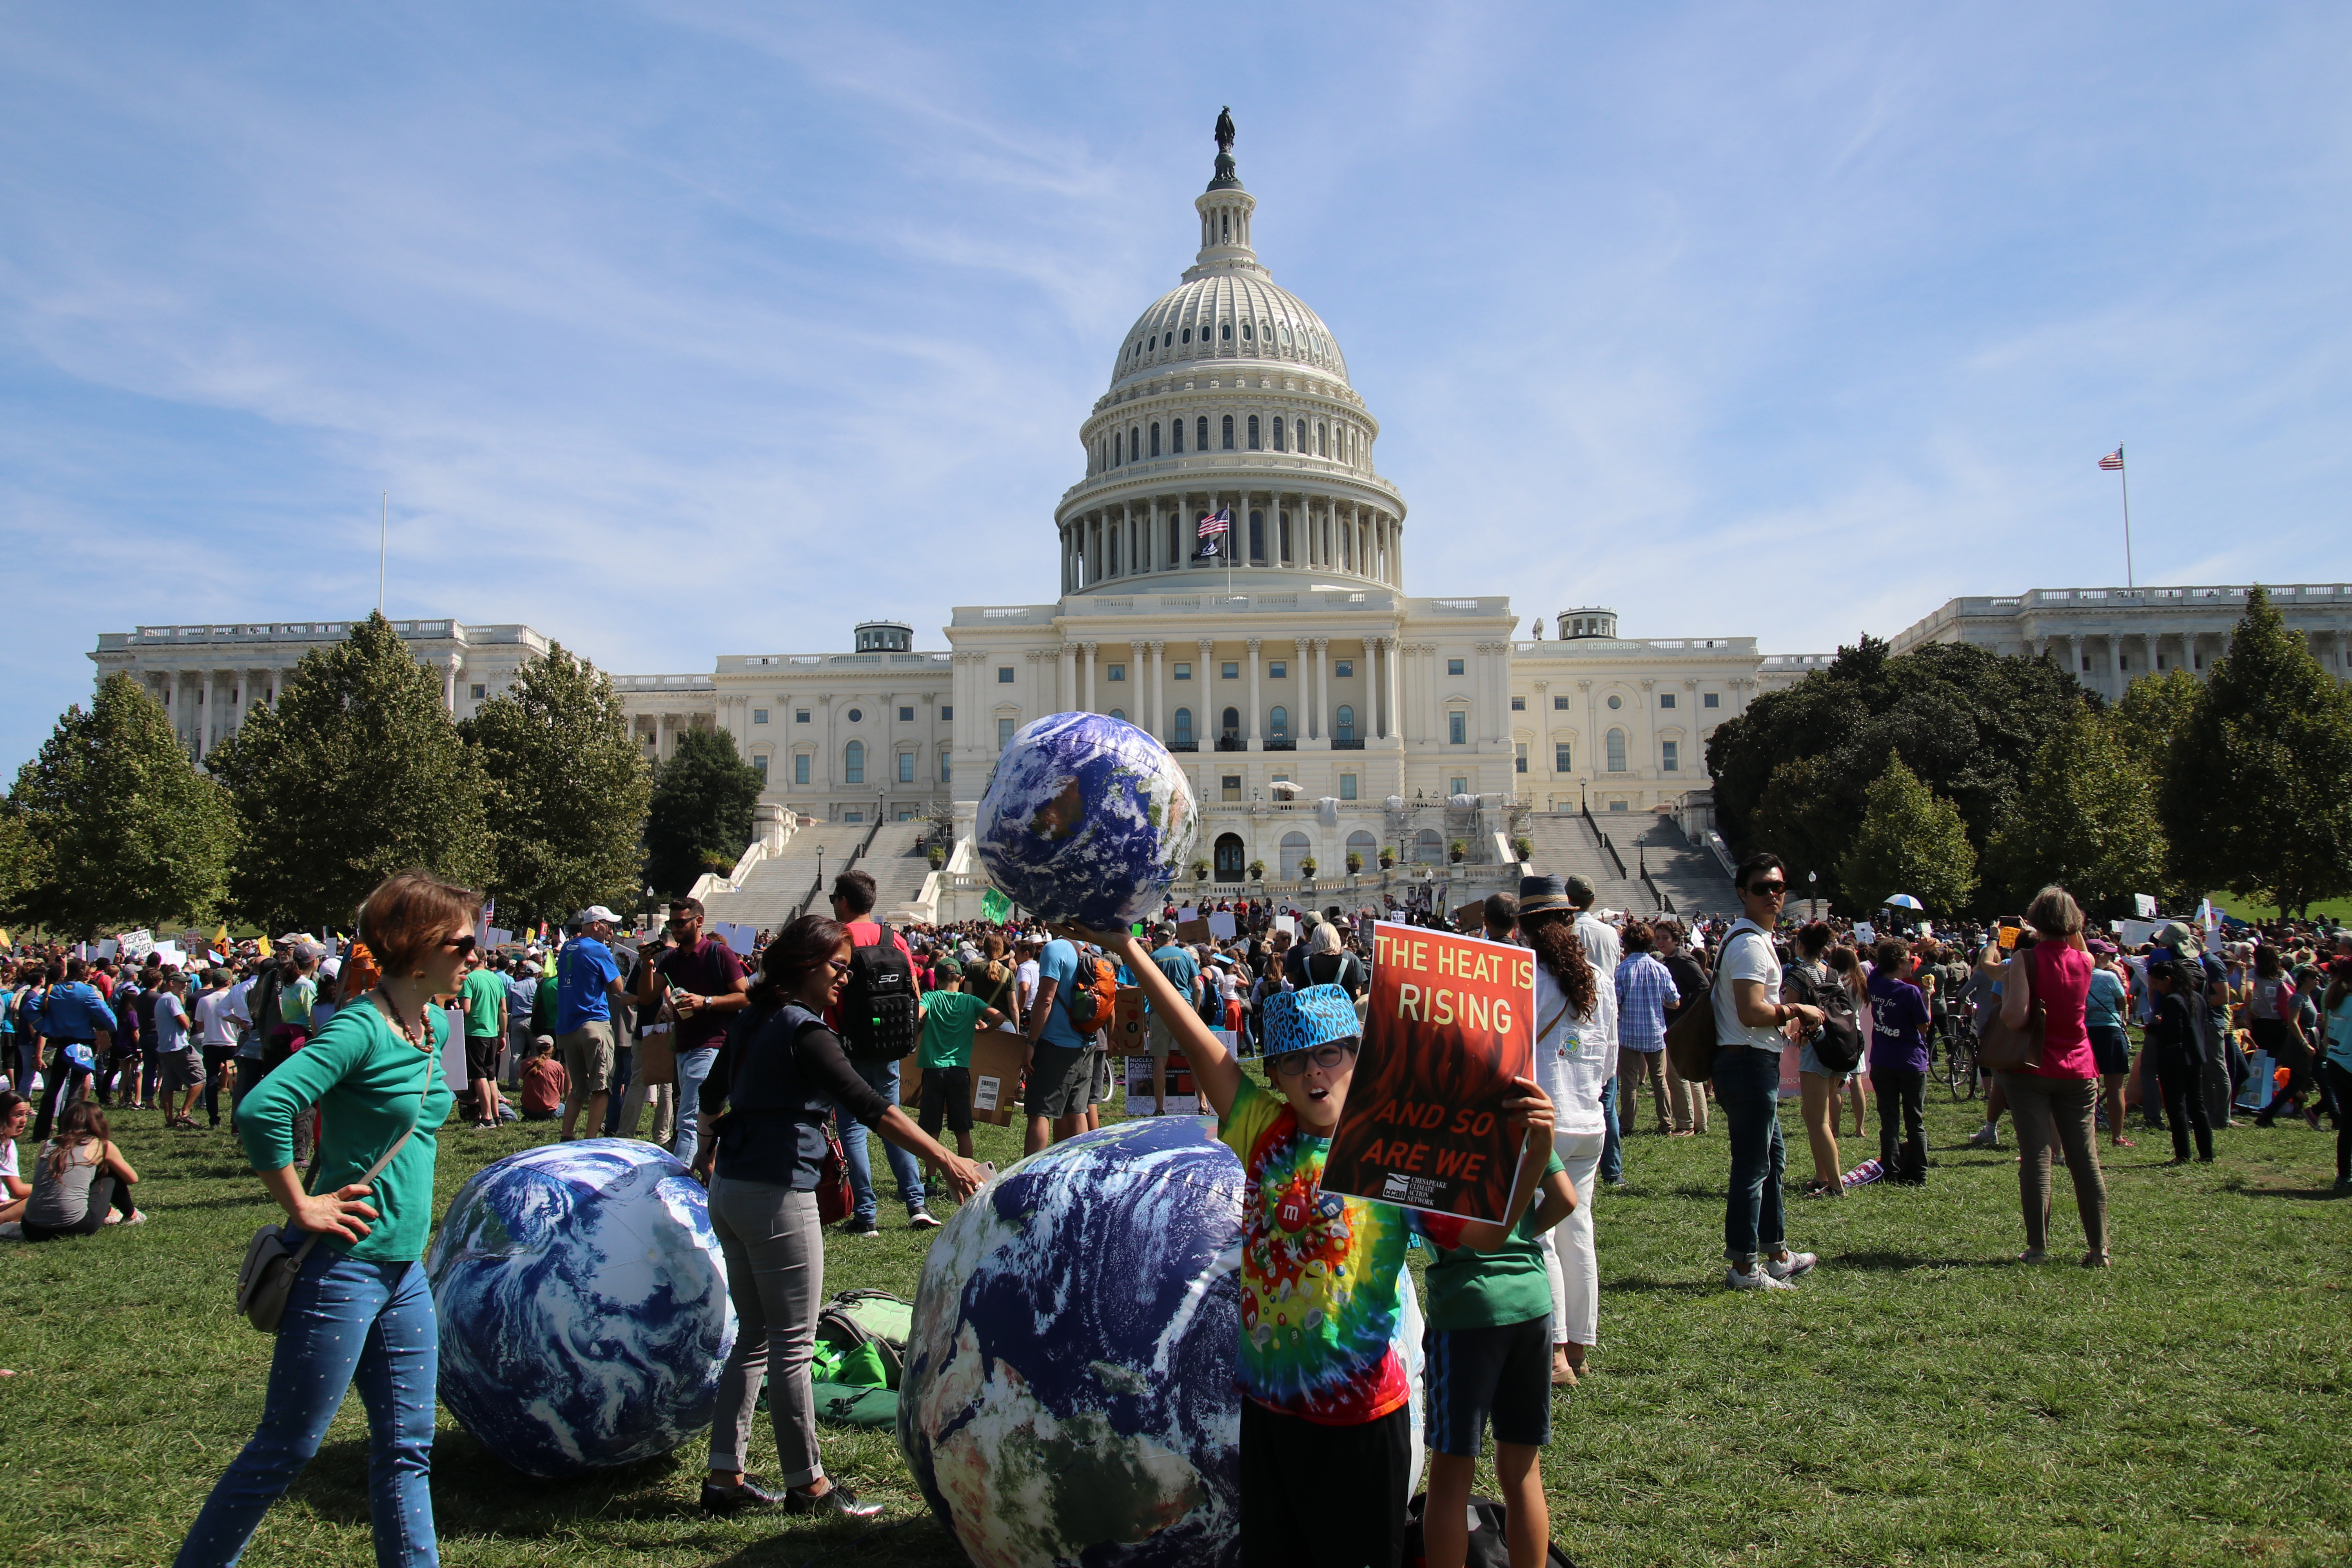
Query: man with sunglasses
[[708, 986], [1752, 1027]]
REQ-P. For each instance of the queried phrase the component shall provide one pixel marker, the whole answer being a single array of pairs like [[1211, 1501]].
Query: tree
[[566, 787], [1912, 841], [2253, 795], [1791, 773], [2086, 820], [118, 828], [701, 811], [356, 774], [2154, 711]]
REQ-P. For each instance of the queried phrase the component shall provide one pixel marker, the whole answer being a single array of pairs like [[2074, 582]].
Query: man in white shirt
[[1752, 1027], [1025, 973], [1601, 950]]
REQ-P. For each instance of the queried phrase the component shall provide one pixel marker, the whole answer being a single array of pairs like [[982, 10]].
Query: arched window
[[1258, 536], [1134, 444], [1225, 331], [1184, 735], [1114, 456], [1616, 751], [1230, 858], [1246, 332], [1225, 227], [1295, 849], [1187, 336], [1277, 724], [1302, 435], [1119, 714], [1176, 429], [1344, 722], [1201, 431], [1277, 437], [1362, 843], [1111, 555], [1322, 440], [1230, 726], [1426, 850], [853, 762], [1155, 438], [1253, 433], [1229, 433]]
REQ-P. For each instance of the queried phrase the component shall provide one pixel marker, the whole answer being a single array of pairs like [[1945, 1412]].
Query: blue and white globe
[[1085, 818], [582, 1306], [1069, 1391]]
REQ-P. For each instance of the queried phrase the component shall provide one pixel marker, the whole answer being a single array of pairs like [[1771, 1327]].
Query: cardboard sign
[[1190, 930], [1184, 1095], [137, 943], [996, 1076], [1452, 1021], [1127, 1025], [1471, 916]]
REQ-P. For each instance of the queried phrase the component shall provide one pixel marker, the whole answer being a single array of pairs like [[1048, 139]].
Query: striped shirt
[[1645, 991]]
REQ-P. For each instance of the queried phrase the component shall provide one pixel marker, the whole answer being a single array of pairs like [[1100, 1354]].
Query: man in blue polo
[[72, 1015], [587, 984]]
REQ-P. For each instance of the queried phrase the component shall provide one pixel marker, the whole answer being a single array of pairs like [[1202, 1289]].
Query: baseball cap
[[598, 912]]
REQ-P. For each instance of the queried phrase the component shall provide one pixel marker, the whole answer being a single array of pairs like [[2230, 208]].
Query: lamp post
[[1812, 904]]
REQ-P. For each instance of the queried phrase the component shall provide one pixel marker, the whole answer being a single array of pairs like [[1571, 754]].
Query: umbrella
[[1285, 787], [1903, 901]]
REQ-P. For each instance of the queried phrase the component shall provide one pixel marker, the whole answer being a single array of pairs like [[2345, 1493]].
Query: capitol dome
[[1228, 399]]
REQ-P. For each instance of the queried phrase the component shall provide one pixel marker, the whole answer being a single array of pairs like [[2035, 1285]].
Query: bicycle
[[1959, 1066]]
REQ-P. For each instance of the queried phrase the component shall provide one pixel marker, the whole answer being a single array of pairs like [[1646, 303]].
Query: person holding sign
[[1327, 1401]]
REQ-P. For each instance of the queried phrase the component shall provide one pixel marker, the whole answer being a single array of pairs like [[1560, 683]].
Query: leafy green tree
[[1912, 841], [116, 827], [2086, 820], [567, 789], [2254, 794], [2153, 713], [700, 815], [356, 774], [1792, 774]]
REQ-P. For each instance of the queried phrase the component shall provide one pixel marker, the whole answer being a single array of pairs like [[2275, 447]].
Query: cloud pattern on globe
[[583, 1305], [1069, 1393], [1085, 818]]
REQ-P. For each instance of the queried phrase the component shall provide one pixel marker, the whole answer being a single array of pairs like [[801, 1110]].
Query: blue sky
[[682, 329]]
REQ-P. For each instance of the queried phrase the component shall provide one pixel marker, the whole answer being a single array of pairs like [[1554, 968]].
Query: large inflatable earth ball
[[1069, 1391], [1085, 818], [582, 1306]]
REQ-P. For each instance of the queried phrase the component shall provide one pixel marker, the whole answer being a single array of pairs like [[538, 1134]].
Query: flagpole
[[2123, 472], [382, 532]]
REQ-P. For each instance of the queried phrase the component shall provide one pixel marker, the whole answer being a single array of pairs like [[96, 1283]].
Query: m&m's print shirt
[[1319, 1274]]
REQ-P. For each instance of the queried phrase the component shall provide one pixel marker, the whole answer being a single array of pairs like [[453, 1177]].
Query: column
[[1158, 540], [1498, 686], [825, 749], [1127, 562], [1088, 665], [1319, 723], [1431, 725], [1138, 711], [1388, 690], [1067, 695], [1205, 728], [1159, 689], [1249, 717]]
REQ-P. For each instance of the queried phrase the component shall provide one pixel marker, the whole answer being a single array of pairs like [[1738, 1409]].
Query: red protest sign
[[1452, 1021]]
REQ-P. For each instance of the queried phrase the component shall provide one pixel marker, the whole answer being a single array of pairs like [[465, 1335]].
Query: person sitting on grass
[[944, 1053], [15, 1115], [1327, 1403], [78, 1178], [545, 1085]]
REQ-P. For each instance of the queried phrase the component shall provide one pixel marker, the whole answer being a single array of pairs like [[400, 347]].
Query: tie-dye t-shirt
[[1318, 1275]]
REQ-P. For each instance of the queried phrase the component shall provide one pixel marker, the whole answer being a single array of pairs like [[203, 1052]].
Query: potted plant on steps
[[1456, 850], [1200, 870], [1524, 847], [1257, 870], [1355, 862], [1388, 859], [1307, 867]]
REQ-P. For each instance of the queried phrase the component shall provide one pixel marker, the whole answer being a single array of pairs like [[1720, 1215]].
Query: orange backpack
[[1094, 996]]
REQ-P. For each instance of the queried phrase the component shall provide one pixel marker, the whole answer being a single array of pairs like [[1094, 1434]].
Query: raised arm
[[1214, 1067]]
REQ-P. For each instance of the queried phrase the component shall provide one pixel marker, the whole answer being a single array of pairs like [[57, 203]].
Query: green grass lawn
[[1922, 1399]]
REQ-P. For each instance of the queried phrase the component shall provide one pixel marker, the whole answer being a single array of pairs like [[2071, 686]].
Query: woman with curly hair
[[1574, 1061]]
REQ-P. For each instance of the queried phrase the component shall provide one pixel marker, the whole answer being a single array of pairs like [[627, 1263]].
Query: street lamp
[[1812, 905]]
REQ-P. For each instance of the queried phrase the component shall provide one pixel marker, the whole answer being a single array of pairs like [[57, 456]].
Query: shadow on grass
[[2298, 1195], [473, 1493], [1643, 1284], [1899, 1262]]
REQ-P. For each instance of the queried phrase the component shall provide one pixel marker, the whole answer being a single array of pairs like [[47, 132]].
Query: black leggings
[[59, 1072], [2184, 1106], [2341, 1082], [105, 1192], [1898, 1089]]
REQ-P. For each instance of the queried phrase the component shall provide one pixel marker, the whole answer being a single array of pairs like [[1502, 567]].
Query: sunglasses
[[838, 965], [1768, 890], [1293, 1064], [463, 945]]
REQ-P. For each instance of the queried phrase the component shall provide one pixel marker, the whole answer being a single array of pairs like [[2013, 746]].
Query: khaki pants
[[1687, 1100], [2057, 1111], [1632, 1067]]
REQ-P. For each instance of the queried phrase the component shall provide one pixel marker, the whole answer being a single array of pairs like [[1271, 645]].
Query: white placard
[[1187, 912], [1287, 923], [167, 954], [1220, 924], [1863, 931], [137, 943], [2144, 906]]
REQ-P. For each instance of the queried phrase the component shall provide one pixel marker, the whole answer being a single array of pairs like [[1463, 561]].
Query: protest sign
[[1287, 924], [1220, 925], [1189, 930], [996, 1062], [1472, 916], [1183, 1096], [1452, 1022], [2131, 933], [1865, 933], [137, 943]]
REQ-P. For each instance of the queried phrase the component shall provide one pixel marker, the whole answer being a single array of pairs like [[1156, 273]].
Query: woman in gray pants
[[779, 1075]]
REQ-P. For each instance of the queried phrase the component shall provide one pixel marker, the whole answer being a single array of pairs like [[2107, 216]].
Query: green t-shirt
[[947, 1018], [1470, 1290], [481, 996]]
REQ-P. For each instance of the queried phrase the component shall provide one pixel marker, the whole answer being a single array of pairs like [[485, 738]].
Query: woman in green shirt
[[360, 1309]]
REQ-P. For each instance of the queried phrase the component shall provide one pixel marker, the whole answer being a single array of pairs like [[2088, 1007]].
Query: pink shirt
[[2062, 984]]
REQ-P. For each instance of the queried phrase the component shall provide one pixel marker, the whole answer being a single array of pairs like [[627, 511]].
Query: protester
[[543, 1084], [1602, 950], [949, 1015], [2103, 1020], [1058, 1071], [1573, 1062], [2338, 1064], [708, 987], [1687, 1100], [15, 1117], [2055, 1098], [176, 1051], [77, 1022], [1752, 1027], [2276, 1025], [853, 906], [1898, 1065], [1808, 981], [587, 984], [482, 1000], [780, 1075], [80, 1180], [2177, 1051], [1643, 988]]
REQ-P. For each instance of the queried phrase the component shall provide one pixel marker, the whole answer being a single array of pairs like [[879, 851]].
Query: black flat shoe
[[836, 1498], [717, 1498]]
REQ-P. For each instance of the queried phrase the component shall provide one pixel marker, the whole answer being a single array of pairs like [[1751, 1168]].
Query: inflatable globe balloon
[[582, 1306], [1069, 1392], [1086, 819]]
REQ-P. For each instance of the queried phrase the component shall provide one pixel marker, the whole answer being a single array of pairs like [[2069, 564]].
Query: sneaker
[[836, 1498], [1788, 1267], [1754, 1280], [921, 1219], [863, 1228], [138, 1217], [1986, 1137]]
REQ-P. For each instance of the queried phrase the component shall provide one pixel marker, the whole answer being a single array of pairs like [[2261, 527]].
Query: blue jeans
[[1748, 1087], [883, 1078], [693, 1068], [1613, 1147], [345, 1321]]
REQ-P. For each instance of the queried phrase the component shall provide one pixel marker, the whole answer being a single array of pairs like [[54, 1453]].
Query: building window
[[1560, 704], [1670, 756], [1230, 725], [1004, 733], [904, 815], [1344, 727], [1229, 670], [1343, 669], [1004, 675], [1134, 444], [1253, 433], [1519, 757], [1460, 786], [1277, 437], [1453, 666], [1458, 728], [1228, 431], [800, 768], [947, 769], [1176, 436], [1155, 439], [1185, 726], [1665, 700], [1322, 439], [1710, 699], [1560, 757], [480, 692], [1347, 786], [852, 817], [758, 715], [1278, 725], [760, 766], [1119, 714], [1616, 751], [800, 715], [1278, 670], [1225, 328], [1257, 533], [853, 762], [1200, 429], [1230, 787], [1518, 704], [857, 716], [1182, 671], [1302, 435], [1615, 701], [1114, 672], [906, 715], [905, 767], [946, 713]]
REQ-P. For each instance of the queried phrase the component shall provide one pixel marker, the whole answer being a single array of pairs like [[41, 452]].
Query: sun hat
[[1310, 1016], [2177, 936], [1538, 894]]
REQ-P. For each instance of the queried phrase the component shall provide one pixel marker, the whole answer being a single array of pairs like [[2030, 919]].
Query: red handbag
[[833, 1199]]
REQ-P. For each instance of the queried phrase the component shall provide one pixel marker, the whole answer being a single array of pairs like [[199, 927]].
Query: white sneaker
[[1754, 1280], [138, 1217], [1788, 1267], [1986, 1137]]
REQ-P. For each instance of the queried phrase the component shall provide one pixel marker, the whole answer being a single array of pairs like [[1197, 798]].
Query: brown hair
[[83, 1122], [2055, 913], [409, 912], [1552, 934], [791, 953]]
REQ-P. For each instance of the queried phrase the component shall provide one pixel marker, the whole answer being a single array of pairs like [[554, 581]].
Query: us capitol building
[[1319, 708]]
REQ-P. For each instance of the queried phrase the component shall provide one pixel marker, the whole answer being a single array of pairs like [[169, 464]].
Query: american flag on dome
[[1213, 524], [2113, 460]]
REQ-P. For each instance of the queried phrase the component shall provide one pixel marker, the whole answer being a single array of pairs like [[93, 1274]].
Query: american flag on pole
[[1213, 524], [2113, 460]]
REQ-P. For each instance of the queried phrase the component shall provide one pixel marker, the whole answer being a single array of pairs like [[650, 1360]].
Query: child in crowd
[[944, 1053], [544, 1082], [1326, 1409], [2180, 1061], [1899, 1064], [15, 1115]]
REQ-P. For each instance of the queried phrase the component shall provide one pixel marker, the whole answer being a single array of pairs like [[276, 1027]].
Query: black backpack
[[1838, 1042], [1487, 1548], [880, 1014]]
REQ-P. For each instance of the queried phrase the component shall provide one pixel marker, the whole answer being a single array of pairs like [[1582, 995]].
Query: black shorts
[[1288, 1524], [1473, 1375], [482, 1055], [1060, 1079], [2111, 1048], [946, 1090]]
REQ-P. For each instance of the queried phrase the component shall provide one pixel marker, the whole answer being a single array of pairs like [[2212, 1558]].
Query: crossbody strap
[[424, 1092]]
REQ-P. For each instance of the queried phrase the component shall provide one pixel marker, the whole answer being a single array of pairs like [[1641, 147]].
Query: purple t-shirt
[[709, 968], [1898, 1015]]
